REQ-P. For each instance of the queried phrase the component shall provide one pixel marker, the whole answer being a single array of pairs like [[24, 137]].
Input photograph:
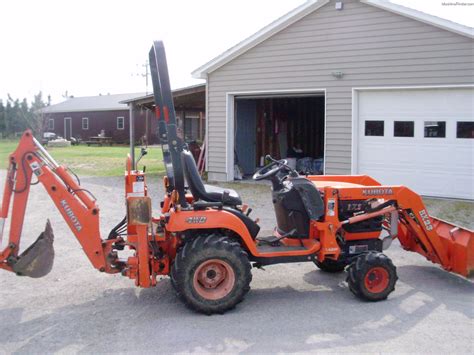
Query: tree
[[9, 116], [16, 115], [38, 119], [2, 118]]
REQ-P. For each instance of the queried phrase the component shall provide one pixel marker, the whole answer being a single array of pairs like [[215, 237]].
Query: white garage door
[[423, 139]]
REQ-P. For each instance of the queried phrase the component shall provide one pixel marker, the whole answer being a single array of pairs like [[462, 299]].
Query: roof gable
[[309, 7]]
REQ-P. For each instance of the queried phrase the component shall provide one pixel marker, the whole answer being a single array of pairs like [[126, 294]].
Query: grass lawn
[[93, 161]]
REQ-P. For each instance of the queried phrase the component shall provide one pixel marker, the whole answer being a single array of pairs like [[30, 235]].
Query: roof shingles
[[92, 103]]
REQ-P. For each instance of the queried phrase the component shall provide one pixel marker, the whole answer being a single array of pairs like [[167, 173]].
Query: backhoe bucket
[[459, 242], [37, 260]]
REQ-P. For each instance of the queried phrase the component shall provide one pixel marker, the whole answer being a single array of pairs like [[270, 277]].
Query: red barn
[[85, 117], [89, 116]]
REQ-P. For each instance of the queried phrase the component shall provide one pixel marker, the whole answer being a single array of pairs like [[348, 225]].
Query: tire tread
[[358, 268], [191, 253]]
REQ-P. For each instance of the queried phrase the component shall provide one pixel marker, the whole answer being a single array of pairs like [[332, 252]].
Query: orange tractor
[[204, 238]]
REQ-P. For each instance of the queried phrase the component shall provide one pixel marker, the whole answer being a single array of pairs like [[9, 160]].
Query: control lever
[[143, 152], [249, 210], [225, 196]]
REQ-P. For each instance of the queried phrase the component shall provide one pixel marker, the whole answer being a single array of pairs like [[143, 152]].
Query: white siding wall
[[372, 47]]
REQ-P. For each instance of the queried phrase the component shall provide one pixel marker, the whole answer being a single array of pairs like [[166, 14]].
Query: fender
[[364, 180], [181, 221]]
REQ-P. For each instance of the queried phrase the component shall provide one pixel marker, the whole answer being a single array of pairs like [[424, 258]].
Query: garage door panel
[[434, 183], [442, 156], [431, 166]]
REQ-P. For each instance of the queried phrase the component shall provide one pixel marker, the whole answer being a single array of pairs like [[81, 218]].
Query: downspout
[[206, 115]]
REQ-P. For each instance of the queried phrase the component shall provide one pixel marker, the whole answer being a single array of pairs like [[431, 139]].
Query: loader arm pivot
[[76, 205]]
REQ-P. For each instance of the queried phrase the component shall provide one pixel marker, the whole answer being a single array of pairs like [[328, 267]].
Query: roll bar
[[171, 144]]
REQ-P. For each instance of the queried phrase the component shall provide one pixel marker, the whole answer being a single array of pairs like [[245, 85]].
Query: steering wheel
[[271, 169]]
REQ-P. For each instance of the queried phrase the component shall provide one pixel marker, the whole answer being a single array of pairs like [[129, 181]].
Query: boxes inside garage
[[286, 127]]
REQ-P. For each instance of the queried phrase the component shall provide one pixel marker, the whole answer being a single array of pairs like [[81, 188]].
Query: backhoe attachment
[[76, 204], [37, 260]]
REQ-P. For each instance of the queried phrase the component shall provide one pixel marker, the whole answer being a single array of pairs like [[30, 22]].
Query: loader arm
[[439, 241], [77, 206]]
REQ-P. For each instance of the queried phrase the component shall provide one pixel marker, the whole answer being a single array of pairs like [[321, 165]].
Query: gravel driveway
[[291, 308]]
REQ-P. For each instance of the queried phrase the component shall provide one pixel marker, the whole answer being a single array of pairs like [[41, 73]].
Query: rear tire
[[211, 274], [372, 276], [173, 278], [331, 266]]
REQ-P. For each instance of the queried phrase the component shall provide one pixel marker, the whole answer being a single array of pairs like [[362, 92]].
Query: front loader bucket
[[37, 260], [459, 242]]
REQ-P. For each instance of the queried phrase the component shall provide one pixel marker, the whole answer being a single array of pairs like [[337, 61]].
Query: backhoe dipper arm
[[75, 204]]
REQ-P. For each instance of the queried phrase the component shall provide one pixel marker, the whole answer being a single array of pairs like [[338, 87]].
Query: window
[[120, 123], [374, 128], [191, 129], [435, 129], [51, 124], [85, 123], [465, 130], [404, 129]]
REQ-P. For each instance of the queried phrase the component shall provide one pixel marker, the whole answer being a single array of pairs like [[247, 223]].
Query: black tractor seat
[[203, 192]]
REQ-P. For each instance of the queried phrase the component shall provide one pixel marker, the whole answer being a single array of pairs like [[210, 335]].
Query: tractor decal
[[196, 220], [71, 215], [374, 192], [426, 220]]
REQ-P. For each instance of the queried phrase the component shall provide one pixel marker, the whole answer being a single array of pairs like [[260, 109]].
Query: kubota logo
[[374, 192], [71, 215]]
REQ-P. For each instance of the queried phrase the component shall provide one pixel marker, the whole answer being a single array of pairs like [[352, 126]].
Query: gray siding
[[371, 46]]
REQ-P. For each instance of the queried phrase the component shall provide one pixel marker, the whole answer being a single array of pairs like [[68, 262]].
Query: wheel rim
[[377, 279], [214, 279]]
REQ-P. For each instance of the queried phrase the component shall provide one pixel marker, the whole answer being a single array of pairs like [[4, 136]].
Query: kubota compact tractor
[[204, 238]]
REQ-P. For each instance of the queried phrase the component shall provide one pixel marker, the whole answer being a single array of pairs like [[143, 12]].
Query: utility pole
[[145, 74]]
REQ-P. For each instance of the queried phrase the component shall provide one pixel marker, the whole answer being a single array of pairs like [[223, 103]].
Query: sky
[[92, 47]]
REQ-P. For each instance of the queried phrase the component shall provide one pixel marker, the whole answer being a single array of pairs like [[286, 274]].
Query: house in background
[[368, 86], [190, 107], [85, 117]]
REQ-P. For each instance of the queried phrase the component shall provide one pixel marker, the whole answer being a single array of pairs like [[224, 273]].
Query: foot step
[[268, 240]]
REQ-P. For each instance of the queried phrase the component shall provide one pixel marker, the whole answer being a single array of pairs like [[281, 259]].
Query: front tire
[[211, 274], [372, 276]]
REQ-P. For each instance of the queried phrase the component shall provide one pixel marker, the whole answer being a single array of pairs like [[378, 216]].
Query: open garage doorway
[[284, 126]]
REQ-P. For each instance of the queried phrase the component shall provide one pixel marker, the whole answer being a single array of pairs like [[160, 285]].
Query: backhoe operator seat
[[203, 192]]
